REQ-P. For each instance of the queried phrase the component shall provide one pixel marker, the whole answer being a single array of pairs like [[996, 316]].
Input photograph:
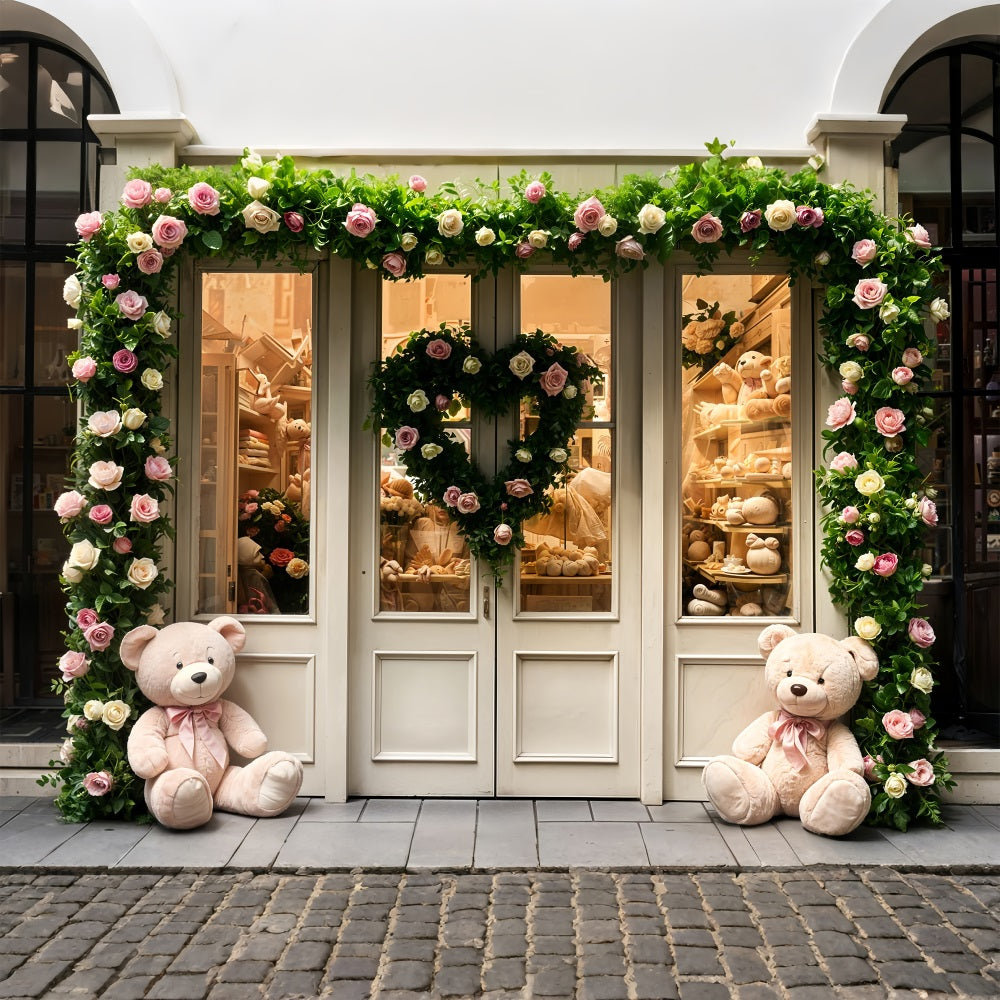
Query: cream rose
[[939, 310], [407, 242], [152, 379], [780, 215], [417, 401], [922, 679], [608, 225], [471, 365], [869, 483], [139, 242], [161, 324], [895, 786], [865, 562], [888, 311], [430, 450], [257, 187], [558, 455], [261, 218], [867, 627], [852, 371], [71, 574], [104, 423], [538, 238], [522, 364], [72, 291], [485, 236], [523, 455], [297, 568], [105, 475], [450, 222], [84, 555], [74, 324], [434, 257], [652, 218], [114, 714], [142, 573], [93, 710], [133, 418]]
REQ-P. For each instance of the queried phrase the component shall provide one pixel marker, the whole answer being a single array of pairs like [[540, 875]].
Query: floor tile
[[618, 811], [966, 835], [601, 845], [32, 834], [679, 812], [505, 834], [346, 845], [318, 811], [264, 841], [565, 810], [864, 846], [675, 845], [445, 834], [103, 842], [772, 849], [390, 811], [210, 846]]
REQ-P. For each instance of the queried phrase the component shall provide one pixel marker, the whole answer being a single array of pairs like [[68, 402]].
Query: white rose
[[133, 418], [93, 710], [939, 310], [66, 752], [570, 391], [922, 679], [865, 562], [651, 218], [261, 218], [869, 483], [257, 187], [74, 324], [895, 786], [471, 365], [450, 222], [874, 517], [538, 238], [754, 163], [852, 371], [152, 379], [72, 722], [522, 455], [417, 401], [71, 574], [780, 215], [251, 161], [434, 257], [607, 225], [522, 364], [926, 570], [115, 713], [485, 236], [822, 258], [139, 242], [84, 555], [558, 455], [888, 311], [431, 450], [104, 423], [867, 627], [72, 290], [142, 573], [161, 324], [407, 242]]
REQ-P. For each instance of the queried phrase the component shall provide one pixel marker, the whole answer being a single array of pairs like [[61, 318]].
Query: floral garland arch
[[879, 279]]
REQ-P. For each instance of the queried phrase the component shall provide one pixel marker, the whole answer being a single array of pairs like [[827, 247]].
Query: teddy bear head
[[187, 663], [814, 675], [298, 430], [752, 363]]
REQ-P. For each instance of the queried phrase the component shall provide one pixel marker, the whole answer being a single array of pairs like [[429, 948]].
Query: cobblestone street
[[822, 933]]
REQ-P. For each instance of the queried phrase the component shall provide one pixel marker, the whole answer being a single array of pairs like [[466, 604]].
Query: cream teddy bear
[[746, 381]]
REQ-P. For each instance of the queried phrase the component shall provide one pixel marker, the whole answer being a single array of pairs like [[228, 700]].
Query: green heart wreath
[[434, 374]]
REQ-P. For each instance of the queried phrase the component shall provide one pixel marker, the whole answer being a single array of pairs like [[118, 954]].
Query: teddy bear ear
[[134, 643], [770, 638], [230, 630], [863, 655]]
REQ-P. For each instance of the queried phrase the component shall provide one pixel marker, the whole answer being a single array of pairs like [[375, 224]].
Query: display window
[[737, 530]]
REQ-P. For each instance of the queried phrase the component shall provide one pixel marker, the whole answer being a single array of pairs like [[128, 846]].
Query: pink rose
[[438, 349], [451, 496], [868, 763], [898, 724], [394, 263], [921, 633], [204, 199], [441, 402], [467, 503], [518, 488], [843, 462], [101, 514], [912, 357], [588, 215], [885, 564], [923, 773], [169, 232], [864, 252], [124, 361], [553, 379], [750, 220], [869, 292], [149, 261], [809, 218], [855, 537], [927, 510], [918, 718], [122, 546], [131, 304], [417, 183], [98, 783], [69, 504], [360, 221], [917, 235], [162, 195], [144, 508], [73, 665], [574, 241], [110, 281], [535, 192], [407, 437], [890, 421], [630, 248], [157, 468], [99, 636], [859, 342], [88, 224], [84, 369], [86, 617], [850, 515], [708, 229], [137, 194], [902, 375], [502, 534], [523, 250], [849, 387], [295, 222], [105, 475], [840, 414]]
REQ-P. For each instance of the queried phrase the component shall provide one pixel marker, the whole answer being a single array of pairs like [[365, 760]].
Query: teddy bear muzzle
[[197, 683], [800, 696]]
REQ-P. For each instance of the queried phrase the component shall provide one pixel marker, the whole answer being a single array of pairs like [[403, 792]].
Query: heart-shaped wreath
[[433, 375]]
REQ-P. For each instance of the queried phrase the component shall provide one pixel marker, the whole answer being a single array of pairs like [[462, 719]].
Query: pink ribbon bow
[[793, 732], [204, 720]]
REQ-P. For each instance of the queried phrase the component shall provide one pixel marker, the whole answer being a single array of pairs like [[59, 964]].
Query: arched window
[[48, 175], [948, 166]]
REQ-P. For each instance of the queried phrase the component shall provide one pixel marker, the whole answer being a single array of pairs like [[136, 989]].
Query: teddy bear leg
[[264, 787], [741, 792], [836, 804], [180, 799]]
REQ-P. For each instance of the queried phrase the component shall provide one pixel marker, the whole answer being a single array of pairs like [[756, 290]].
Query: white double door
[[528, 689]]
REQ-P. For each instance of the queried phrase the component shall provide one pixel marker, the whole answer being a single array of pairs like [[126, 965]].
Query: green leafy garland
[[121, 293]]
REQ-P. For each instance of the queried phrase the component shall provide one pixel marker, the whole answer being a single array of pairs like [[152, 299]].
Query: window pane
[[424, 564], [11, 323], [256, 439], [53, 339], [57, 191], [565, 566], [736, 442], [979, 85], [979, 216], [100, 100], [60, 90], [13, 165], [935, 463], [12, 479], [14, 86]]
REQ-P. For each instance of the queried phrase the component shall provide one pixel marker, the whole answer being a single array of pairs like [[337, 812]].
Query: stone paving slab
[[591, 845]]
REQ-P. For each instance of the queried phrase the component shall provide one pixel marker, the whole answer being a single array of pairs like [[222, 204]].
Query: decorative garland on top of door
[[879, 276]]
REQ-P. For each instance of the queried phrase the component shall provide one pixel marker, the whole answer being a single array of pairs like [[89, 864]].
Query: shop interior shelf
[[530, 578], [262, 470], [730, 484], [763, 529], [717, 576]]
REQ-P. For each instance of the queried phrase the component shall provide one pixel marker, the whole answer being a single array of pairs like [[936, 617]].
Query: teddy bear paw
[[836, 805], [280, 785]]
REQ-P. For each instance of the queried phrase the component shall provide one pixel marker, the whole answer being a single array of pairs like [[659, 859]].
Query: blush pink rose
[[868, 762], [859, 342], [864, 252], [898, 724], [69, 504], [149, 261], [157, 468], [869, 293], [295, 222], [442, 402], [809, 218], [407, 437], [169, 232], [750, 220], [708, 229], [840, 414], [105, 475], [843, 462], [84, 369], [86, 617], [553, 379], [855, 537], [144, 509], [467, 503], [535, 192], [395, 264], [451, 496], [902, 375], [918, 718], [88, 224], [885, 564], [137, 194], [518, 488], [417, 183], [630, 248], [360, 221], [111, 281], [889, 421], [204, 199], [502, 534], [122, 546], [921, 633], [131, 305], [99, 636], [849, 387], [923, 773], [850, 515], [124, 361], [927, 510], [912, 357], [575, 239], [162, 195], [98, 783], [101, 514], [588, 215], [917, 235], [438, 349], [73, 665], [523, 250]]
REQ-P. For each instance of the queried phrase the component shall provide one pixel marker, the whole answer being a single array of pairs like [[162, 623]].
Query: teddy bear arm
[[147, 748], [842, 752], [241, 731], [753, 743]]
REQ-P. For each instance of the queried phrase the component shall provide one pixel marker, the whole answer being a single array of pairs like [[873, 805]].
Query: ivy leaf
[[211, 239]]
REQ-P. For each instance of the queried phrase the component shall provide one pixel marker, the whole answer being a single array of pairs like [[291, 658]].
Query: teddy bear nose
[[201, 677], [797, 689]]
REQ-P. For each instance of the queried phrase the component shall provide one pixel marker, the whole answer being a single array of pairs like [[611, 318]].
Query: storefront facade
[[423, 678]]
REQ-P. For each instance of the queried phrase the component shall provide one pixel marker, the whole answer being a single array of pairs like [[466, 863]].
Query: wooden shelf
[[717, 576], [268, 471], [777, 482], [533, 579]]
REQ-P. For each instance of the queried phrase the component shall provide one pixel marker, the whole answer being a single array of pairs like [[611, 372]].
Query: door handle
[[486, 602]]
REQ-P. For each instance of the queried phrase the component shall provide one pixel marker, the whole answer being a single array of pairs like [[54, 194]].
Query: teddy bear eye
[[821, 681], [210, 660], [180, 665], [789, 674]]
